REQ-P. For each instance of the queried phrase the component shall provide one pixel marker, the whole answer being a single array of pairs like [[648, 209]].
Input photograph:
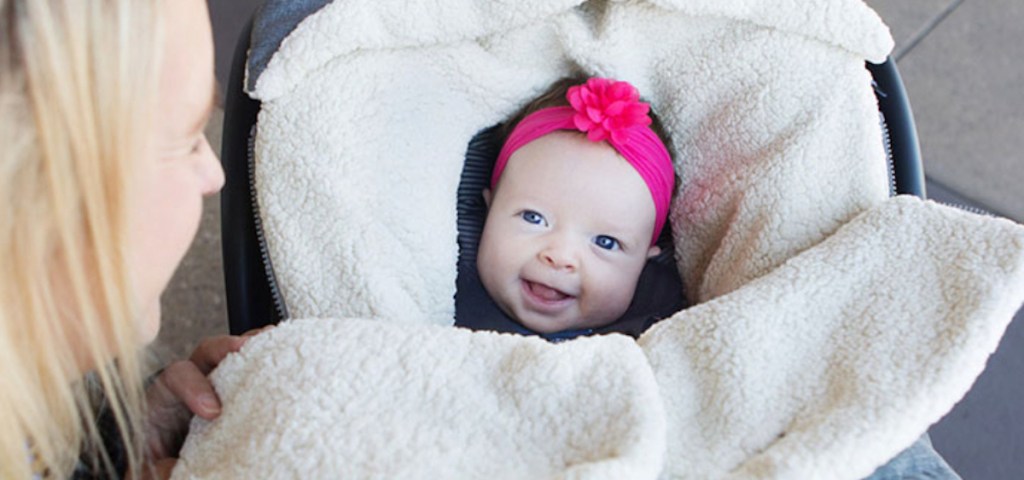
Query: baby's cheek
[[627, 278], [613, 295]]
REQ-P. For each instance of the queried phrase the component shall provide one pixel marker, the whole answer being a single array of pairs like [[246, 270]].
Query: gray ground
[[961, 65]]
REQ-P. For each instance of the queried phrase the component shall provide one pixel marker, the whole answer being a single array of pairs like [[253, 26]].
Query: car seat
[[253, 299]]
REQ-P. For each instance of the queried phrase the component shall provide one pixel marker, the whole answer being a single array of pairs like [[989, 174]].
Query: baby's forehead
[[603, 197], [569, 154]]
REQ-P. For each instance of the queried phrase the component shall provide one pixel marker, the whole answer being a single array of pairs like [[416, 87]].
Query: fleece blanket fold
[[373, 399], [831, 324]]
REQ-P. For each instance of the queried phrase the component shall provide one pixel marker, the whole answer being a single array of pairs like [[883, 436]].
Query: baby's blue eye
[[533, 217], [606, 242]]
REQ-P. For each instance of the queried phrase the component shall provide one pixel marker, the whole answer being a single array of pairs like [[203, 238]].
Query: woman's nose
[[211, 173]]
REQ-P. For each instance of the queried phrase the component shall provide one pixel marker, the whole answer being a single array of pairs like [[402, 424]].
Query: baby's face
[[567, 234]]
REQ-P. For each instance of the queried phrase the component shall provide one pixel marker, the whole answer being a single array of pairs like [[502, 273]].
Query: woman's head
[[571, 220], [96, 185]]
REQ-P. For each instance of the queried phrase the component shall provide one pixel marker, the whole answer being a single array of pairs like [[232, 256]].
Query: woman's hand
[[183, 389]]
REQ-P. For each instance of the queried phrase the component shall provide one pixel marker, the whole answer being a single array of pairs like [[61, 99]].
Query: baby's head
[[579, 195]]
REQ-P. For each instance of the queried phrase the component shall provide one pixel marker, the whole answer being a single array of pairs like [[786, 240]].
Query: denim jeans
[[920, 461]]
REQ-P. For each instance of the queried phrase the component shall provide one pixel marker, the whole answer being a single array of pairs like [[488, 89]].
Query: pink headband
[[606, 110]]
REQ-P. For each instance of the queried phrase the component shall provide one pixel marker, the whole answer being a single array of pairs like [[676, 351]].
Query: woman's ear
[[653, 251], [487, 197]]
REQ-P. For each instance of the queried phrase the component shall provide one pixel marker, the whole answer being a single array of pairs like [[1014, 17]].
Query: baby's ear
[[653, 251], [487, 197]]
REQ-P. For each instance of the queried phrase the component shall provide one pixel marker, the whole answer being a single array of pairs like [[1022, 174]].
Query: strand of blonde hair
[[76, 90]]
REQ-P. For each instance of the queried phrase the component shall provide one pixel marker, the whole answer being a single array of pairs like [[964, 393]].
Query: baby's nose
[[560, 256]]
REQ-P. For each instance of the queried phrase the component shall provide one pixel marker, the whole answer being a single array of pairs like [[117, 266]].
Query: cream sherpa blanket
[[832, 325]]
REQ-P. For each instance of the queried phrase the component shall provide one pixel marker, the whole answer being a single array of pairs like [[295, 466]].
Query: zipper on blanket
[[968, 208], [891, 165], [889, 162], [268, 268]]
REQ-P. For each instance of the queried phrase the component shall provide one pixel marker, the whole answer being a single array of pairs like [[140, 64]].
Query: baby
[[578, 198]]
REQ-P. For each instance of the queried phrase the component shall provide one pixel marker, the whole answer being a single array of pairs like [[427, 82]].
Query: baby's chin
[[545, 325]]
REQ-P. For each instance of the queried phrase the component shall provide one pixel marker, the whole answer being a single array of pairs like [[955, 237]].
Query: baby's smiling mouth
[[545, 292], [545, 297]]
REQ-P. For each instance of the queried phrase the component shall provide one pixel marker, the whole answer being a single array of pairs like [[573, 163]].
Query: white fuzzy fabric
[[359, 399], [832, 325], [841, 357]]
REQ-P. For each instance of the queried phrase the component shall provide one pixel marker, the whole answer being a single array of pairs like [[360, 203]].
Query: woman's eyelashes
[[532, 217], [198, 146], [607, 243], [187, 150]]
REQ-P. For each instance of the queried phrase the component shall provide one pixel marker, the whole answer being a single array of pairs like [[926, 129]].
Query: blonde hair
[[78, 84]]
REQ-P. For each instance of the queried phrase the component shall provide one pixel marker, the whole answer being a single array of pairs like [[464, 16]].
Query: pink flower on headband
[[607, 108]]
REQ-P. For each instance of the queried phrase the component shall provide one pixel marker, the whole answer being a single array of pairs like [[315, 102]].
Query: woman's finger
[[190, 385], [211, 351]]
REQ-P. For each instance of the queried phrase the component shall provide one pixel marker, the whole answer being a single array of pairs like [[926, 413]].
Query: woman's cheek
[[165, 219]]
